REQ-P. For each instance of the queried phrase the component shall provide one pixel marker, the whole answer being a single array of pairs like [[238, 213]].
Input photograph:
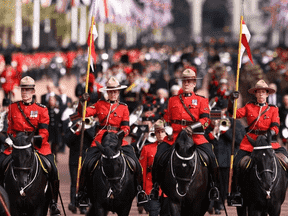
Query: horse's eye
[[264, 154]]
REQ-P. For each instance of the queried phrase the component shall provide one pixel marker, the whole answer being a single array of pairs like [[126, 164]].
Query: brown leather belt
[[109, 127], [258, 132], [182, 122]]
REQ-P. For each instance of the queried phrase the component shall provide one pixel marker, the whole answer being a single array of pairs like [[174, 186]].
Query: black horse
[[25, 180], [264, 183], [185, 179], [114, 187]]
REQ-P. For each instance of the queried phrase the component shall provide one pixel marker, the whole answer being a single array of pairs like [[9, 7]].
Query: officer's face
[[261, 95], [27, 94], [113, 95], [160, 134], [188, 85]]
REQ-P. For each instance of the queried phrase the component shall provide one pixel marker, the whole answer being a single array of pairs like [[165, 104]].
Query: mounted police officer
[[190, 112], [262, 119], [28, 116], [113, 117]]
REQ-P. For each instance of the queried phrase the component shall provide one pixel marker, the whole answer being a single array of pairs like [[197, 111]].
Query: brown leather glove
[[84, 97], [188, 130]]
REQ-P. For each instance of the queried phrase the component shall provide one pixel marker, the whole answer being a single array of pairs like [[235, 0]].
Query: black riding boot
[[154, 194], [141, 196], [214, 191], [82, 200], [54, 211], [235, 198]]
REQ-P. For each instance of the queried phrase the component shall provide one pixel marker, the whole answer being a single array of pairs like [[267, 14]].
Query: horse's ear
[[121, 135], [30, 137], [11, 137], [99, 146]]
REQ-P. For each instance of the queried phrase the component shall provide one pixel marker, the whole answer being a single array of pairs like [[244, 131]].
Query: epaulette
[[41, 105], [92, 106], [123, 103], [200, 95], [272, 105]]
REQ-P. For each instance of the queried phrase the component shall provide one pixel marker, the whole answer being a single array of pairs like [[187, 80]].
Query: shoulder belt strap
[[259, 116], [185, 107], [110, 113], [18, 104]]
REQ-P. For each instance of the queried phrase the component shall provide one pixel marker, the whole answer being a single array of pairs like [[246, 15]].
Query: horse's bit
[[22, 193], [184, 179], [268, 192], [110, 191]]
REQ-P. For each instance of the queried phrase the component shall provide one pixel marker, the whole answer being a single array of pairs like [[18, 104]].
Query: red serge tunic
[[197, 105], [146, 160], [269, 120], [38, 116], [119, 118]]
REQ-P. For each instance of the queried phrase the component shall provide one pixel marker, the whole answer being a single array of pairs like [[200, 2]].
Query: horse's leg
[[124, 211], [175, 208], [252, 211], [274, 211], [242, 211]]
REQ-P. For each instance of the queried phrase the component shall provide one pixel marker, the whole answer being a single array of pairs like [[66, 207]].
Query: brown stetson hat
[[159, 124], [261, 84], [113, 84], [27, 82], [189, 74]]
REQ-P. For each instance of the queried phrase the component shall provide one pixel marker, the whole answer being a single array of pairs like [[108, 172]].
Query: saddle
[[6, 162], [244, 163], [283, 160], [131, 163], [204, 157], [45, 163]]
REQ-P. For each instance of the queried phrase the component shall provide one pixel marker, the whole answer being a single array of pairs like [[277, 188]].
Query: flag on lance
[[245, 38], [94, 35]]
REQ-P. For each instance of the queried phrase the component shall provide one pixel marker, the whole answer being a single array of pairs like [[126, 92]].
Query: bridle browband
[[22, 147]]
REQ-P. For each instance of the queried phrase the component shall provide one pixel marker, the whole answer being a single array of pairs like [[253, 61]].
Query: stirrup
[[54, 211], [82, 200], [154, 194], [235, 200], [214, 194], [141, 196]]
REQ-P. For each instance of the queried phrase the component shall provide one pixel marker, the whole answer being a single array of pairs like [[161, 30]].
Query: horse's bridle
[[114, 157], [22, 193], [268, 192], [182, 179]]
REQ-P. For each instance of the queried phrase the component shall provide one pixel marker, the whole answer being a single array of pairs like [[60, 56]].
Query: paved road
[[65, 190]]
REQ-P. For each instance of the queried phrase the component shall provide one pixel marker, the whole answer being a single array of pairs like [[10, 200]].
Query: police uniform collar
[[261, 104], [112, 102], [187, 94], [28, 104]]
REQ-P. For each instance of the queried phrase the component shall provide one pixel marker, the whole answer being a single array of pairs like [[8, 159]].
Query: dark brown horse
[[186, 179], [264, 184]]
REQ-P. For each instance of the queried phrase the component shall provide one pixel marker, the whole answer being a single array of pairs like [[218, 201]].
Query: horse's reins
[[183, 179], [268, 192]]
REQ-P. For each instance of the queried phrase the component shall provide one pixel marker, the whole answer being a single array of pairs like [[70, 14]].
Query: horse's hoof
[[72, 208], [217, 212], [83, 210]]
